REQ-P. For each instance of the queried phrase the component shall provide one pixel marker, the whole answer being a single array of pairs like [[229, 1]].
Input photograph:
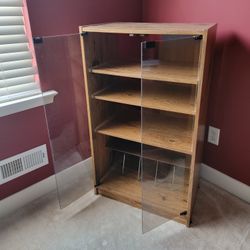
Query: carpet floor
[[220, 221]]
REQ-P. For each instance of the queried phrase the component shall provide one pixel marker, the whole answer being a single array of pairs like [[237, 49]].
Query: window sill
[[16, 106]]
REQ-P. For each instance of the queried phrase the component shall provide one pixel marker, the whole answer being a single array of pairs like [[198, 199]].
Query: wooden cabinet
[[146, 88]]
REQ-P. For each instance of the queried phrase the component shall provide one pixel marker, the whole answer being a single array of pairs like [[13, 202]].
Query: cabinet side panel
[[206, 54], [92, 48]]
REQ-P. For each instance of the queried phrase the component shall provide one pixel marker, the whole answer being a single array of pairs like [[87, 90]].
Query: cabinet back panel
[[183, 50]]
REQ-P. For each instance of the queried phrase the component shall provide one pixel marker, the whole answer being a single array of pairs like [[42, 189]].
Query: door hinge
[[149, 45], [84, 33], [199, 37], [183, 213], [37, 39]]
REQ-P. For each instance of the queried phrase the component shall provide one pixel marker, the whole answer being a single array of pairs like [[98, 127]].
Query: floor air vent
[[23, 163]]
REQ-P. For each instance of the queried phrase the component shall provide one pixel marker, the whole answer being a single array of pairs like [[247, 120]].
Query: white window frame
[[18, 63]]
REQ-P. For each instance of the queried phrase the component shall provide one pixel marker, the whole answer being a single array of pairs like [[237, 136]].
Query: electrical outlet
[[213, 135]]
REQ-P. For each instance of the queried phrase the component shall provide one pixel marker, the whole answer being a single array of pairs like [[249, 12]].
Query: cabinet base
[[127, 189]]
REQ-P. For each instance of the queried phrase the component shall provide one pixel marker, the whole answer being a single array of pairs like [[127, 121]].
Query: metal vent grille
[[33, 159], [23, 163], [11, 168]]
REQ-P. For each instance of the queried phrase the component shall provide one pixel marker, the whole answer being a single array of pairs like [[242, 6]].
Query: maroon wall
[[52, 17], [230, 87], [23, 131]]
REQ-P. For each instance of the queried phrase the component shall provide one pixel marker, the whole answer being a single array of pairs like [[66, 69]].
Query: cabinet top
[[149, 28]]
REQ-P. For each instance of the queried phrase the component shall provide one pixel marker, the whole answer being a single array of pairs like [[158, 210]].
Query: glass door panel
[[168, 91], [60, 68]]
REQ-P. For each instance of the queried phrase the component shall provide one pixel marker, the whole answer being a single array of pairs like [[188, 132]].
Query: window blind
[[17, 74]]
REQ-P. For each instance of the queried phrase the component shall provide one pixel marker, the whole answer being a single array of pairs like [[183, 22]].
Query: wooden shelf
[[164, 198], [124, 95], [148, 28], [156, 96], [158, 130], [151, 153], [170, 72]]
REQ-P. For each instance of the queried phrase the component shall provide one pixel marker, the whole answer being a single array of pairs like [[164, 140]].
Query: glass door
[[168, 96], [60, 68]]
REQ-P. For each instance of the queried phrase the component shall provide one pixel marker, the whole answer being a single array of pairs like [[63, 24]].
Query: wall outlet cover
[[213, 135]]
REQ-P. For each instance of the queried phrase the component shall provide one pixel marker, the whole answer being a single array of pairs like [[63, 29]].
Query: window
[[19, 81], [18, 78]]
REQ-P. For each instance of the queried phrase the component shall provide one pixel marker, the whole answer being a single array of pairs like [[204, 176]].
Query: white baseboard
[[24, 197], [77, 206], [225, 182]]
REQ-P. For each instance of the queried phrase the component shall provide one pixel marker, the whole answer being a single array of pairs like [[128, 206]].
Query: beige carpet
[[220, 221]]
